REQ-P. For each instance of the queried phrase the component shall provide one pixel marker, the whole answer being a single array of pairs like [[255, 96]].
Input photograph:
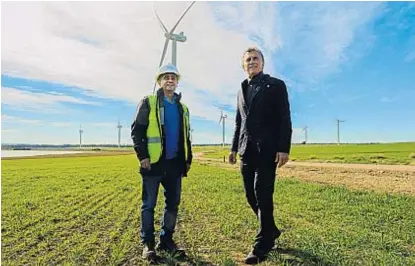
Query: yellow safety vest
[[154, 135]]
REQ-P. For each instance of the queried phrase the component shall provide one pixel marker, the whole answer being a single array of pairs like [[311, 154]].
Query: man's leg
[[248, 175], [150, 189], [172, 191], [264, 190]]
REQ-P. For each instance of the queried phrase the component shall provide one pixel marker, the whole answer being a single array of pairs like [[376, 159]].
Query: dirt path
[[381, 178], [375, 167]]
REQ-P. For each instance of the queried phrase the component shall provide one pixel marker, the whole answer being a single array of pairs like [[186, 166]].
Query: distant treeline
[[50, 146]]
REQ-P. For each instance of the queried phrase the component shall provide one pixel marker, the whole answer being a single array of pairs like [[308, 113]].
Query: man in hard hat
[[262, 138], [160, 133]]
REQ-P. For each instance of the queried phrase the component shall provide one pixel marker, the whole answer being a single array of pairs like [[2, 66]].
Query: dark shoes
[[260, 251], [168, 245], [277, 233], [149, 253], [255, 257]]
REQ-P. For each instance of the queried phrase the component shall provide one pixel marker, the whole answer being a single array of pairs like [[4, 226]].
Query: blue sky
[[62, 68]]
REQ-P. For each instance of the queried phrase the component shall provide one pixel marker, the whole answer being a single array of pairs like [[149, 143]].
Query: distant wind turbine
[[338, 130], [223, 118], [80, 136], [119, 126]]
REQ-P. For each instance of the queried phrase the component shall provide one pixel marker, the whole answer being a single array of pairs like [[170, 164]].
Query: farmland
[[86, 210], [388, 153]]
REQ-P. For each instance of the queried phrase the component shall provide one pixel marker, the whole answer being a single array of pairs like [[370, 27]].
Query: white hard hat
[[169, 68]]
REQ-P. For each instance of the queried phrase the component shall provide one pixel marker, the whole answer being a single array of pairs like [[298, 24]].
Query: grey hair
[[253, 49]]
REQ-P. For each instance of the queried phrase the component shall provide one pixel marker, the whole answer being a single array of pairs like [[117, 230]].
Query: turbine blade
[[181, 17], [159, 20], [154, 88], [166, 44]]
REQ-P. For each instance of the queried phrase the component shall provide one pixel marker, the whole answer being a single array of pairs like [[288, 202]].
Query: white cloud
[[116, 55], [37, 100], [18, 120], [208, 138], [8, 119], [61, 124], [104, 125], [113, 49], [8, 131], [317, 36]]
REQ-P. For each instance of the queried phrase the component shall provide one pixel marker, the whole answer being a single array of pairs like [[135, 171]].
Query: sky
[[67, 64]]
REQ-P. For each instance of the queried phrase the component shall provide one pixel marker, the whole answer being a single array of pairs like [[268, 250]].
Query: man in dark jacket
[[160, 133], [262, 138]]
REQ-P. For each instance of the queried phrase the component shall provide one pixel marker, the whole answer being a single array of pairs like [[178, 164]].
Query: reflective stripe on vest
[[186, 128], [154, 139]]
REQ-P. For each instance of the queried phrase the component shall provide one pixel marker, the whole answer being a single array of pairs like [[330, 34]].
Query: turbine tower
[[305, 134], [119, 126], [223, 118], [80, 136], [191, 135], [338, 130], [170, 35]]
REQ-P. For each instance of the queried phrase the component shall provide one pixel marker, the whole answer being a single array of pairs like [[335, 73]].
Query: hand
[[187, 167], [232, 157], [281, 158], [145, 164]]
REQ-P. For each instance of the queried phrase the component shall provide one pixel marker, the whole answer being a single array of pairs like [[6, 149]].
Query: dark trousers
[[172, 183], [258, 171]]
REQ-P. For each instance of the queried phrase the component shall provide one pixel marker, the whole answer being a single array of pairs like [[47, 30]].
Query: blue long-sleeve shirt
[[171, 127]]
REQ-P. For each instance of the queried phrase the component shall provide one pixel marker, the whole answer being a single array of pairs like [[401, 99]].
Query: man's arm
[[139, 129], [284, 142], [236, 133], [189, 145]]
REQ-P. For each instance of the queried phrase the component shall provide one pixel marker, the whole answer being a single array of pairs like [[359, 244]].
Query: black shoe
[[277, 233], [170, 247], [255, 257], [149, 253]]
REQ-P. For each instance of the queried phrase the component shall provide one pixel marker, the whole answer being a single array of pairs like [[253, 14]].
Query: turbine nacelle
[[176, 37], [171, 36]]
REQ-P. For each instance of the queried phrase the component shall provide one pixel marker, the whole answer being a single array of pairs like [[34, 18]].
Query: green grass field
[[390, 153], [86, 211]]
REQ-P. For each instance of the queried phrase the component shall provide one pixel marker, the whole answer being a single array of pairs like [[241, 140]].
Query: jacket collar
[[261, 77], [177, 96], [256, 79]]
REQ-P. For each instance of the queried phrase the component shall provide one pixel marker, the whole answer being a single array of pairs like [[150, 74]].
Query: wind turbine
[[305, 134], [80, 136], [119, 126], [170, 35], [223, 118], [191, 135], [338, 130]]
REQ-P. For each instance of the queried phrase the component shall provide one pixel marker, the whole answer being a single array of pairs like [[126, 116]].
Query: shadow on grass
[[190, 260], [292, 256]]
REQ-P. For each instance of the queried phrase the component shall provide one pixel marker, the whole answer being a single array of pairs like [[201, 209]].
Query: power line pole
[[119, 126], [338, 130]]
